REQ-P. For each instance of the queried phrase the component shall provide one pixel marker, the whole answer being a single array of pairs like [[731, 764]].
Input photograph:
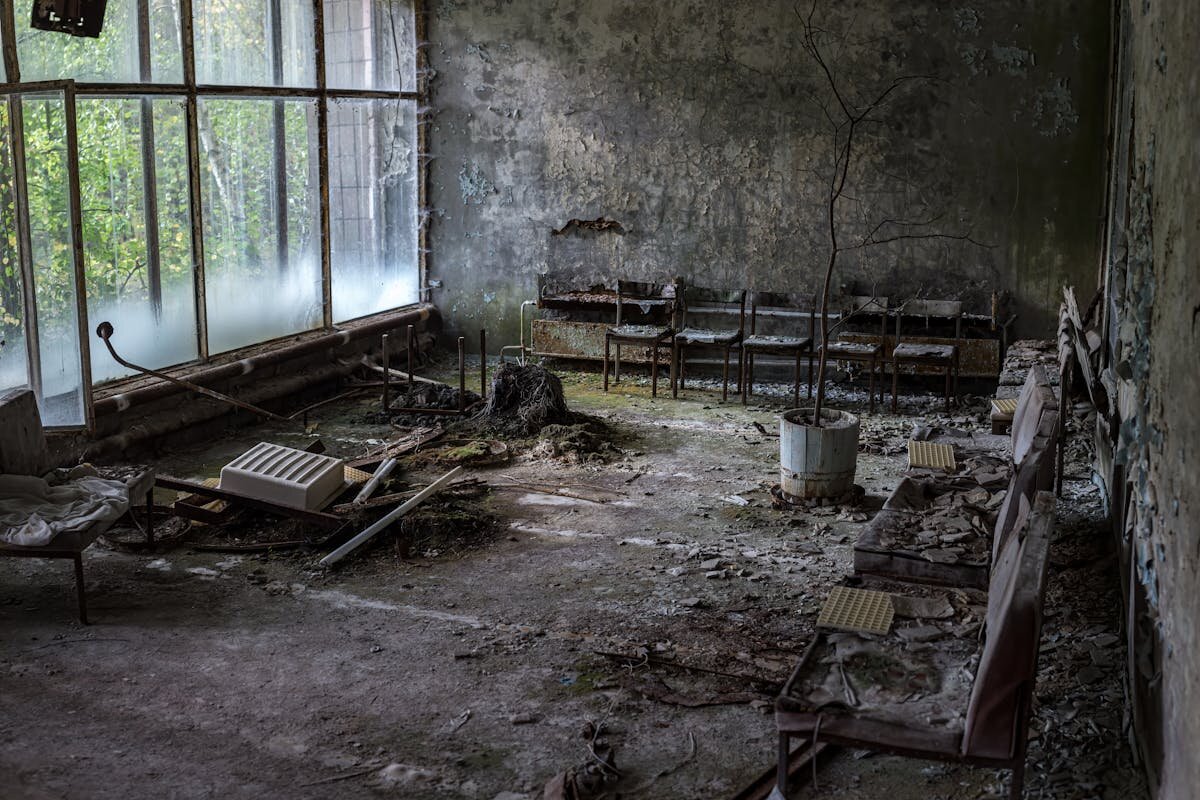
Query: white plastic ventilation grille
[[284, 475], [862, 610]]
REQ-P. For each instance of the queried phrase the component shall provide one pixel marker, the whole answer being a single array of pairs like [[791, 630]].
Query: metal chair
[[797, 346], [699, 301], [652, 300]]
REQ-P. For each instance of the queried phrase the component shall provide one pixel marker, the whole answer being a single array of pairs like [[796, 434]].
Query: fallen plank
[[402, 446], [387, 519]]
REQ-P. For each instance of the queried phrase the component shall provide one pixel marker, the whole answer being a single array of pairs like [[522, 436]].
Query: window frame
[[193, 92]]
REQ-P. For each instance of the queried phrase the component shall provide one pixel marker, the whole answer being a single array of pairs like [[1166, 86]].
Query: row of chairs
[[669, 315]]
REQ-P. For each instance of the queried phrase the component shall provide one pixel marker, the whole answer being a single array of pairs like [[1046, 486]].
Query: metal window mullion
[[16, 119], [323, 164], [278, 137], [8, 45], [193, 158], [85, 350], [422, 87], [149, 168]]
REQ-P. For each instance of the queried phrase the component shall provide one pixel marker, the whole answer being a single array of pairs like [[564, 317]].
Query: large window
[[203, 184]]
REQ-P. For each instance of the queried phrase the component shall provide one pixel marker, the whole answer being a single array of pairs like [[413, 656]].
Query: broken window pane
[[142, 284], [370, 44], [53, 260], [255, 43], [372, 205], [261, 233], [114, 56]]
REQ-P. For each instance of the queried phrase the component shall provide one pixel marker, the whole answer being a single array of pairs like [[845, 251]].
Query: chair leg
[[607, 348], [743, 365], [150, 516], [750, 374], [810, 373], [895, 381], [654, 369], [617, 365], [796, 383], [79, 588], [949, 371], [682, 366], [676, 378], [781, 768], [741, 361], [1016, 787], [871, 387], [725, 377]]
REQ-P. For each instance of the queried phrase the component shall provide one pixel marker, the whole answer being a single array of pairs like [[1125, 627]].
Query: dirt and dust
[[657, 597]]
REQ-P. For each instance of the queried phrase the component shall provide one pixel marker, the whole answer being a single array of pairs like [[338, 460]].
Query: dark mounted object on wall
[[76, 17], [597, 224]]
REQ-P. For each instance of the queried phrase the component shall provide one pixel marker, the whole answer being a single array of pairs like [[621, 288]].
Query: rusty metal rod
[[482, 363], [105, 331], [462, 374], [387, 400], [410, 347]]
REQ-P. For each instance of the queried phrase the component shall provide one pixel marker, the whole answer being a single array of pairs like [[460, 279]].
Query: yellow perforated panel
[[857, 610], [930, 455]]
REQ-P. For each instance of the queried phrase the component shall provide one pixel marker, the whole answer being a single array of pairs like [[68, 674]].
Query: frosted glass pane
[[235, 44], [14, 362], [373, 205], [53, 260], [153, 313], [113, 57], [370, 44], [261, 254]]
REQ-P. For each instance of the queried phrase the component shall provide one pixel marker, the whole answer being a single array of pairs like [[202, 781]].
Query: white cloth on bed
[[32, 512]]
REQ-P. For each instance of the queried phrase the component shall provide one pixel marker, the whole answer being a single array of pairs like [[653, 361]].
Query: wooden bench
[[921, 703], [895, 543]]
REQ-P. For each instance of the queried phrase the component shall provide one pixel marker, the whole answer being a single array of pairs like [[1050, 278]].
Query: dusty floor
[[472, 668]]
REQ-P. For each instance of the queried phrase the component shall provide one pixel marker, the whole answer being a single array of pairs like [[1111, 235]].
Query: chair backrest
[[996, 713], [1035, 422], [643, 293], [23, 448], [700, 300], [787, 301]]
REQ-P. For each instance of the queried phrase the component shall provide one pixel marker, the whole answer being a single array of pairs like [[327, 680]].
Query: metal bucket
[[817, 462]]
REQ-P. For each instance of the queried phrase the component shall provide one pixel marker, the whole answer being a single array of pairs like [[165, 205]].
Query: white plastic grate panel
[[930, 455], [284, 476]]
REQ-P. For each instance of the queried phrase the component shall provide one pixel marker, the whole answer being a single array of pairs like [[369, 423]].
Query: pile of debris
[[523, 400]]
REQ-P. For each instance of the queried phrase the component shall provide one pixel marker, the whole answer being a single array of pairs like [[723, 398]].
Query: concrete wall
[[1153, 360], [692, 125]]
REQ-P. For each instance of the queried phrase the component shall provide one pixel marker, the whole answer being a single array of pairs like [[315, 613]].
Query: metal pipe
[[387, 383], [409, 349], [105, 331], [462, 374], [120, 402], [482, 363]]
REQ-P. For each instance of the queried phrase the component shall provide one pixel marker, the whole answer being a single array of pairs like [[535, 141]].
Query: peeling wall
[[691, 125], [1152, 360]]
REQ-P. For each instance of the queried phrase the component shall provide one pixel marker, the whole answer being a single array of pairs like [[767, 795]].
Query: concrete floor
[[471, 670]]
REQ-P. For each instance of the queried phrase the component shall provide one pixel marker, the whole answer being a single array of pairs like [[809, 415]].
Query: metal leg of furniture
[[682, 365], [895, 381], [607, 348], [949, 373], [957, 375], [741, 361], [1016, 787], [781, 770], [725, 377], [79, 588], [810, 372], [150, 516], [744, 367], [871, 405], [654, 368], [617, 364], [675, 376], [796, 382]]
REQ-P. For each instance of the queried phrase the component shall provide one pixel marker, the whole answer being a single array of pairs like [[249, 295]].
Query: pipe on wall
[[205, 376]]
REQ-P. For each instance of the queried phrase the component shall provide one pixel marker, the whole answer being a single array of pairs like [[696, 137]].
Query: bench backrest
[[23, 448], [1035, 422], [996, 713]]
